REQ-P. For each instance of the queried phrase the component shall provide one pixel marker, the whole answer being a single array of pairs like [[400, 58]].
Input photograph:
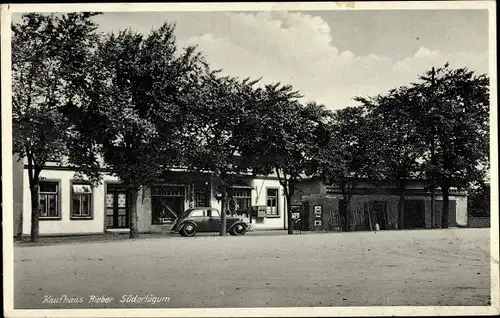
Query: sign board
[[318, 222], [295, 215], [259, 211], [318, 211], [232, 205]]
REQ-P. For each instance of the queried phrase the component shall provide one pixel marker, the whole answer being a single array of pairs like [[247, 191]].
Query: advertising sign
[[261, 211], [318, 211], [232, 205]]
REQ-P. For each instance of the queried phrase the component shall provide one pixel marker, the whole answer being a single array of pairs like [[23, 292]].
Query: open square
[[398, 268]]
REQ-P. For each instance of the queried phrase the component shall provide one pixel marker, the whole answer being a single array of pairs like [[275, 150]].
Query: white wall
[[461, 201], [65, 225], [258, 197]]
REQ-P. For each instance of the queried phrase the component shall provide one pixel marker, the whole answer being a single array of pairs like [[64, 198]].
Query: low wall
[[476, 221]]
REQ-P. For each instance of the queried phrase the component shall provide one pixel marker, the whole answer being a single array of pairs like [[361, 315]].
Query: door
[[200, 217], [379, 214], [414, 214], [117, 213], [452, 220]]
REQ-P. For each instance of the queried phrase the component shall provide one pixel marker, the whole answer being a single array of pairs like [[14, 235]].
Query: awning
[[82, 188], [240, 184]]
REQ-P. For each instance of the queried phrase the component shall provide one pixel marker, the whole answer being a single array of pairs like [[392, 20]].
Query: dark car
[[205, 219]]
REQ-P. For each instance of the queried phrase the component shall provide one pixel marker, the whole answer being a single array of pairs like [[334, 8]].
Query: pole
[[433, 155]]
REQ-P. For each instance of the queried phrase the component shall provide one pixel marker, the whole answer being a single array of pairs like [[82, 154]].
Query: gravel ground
[[425, 267]]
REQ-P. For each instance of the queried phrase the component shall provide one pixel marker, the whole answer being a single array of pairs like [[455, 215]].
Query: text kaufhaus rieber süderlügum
[[102, 299]]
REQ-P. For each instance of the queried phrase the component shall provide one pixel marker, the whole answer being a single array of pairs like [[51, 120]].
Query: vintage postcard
[[250, 159]]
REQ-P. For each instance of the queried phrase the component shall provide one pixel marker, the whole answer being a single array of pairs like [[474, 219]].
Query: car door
[[214, 220], [199, 216]]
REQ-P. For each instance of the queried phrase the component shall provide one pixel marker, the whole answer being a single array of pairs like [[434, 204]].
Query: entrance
[[414, 214], [117, 214], [167, 203], [378, 209]]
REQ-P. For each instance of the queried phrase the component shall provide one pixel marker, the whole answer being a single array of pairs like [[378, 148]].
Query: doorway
[[414, 214], [378, 210], [117, 209]]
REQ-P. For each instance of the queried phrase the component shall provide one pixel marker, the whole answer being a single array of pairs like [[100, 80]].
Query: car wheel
[[189, 229], [239, 229]]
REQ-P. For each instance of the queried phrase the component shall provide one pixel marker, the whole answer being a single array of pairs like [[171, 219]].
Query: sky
[[328, 56]]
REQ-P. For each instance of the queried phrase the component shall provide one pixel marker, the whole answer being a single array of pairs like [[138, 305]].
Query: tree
[[285, 137], [479, 201], [397, 137], [350, 154], [215, 130], [51, 69], [137, 113], [459, 99]]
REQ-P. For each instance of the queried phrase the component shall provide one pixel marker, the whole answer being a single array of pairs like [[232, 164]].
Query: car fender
[[183, 222], [236, 223]]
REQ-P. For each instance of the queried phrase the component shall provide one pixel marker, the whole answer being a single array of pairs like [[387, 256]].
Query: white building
[[69, 206]]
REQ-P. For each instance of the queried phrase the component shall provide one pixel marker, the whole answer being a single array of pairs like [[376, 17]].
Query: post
[[432, 118], [433, 207]]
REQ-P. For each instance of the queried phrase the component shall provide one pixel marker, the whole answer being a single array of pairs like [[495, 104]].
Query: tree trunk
[[134, 193], [34, 210], [345, 210], [19, 234], [446, 206], [289, 213], [223, 212], [433, 207], [34, 183], [401, 204], [369, 216], [349, 214]]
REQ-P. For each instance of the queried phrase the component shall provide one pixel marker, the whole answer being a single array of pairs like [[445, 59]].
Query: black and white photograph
[[250, 159]]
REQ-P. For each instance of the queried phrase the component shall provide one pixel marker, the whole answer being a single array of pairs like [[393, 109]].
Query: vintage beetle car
[[205, 219]]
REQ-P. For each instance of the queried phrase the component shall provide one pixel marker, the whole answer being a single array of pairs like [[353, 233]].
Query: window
[[168, 191], [48, 193], [198, 213], [167, 203], [213, 213], [81, 201], [241, 199], [200, 196], [272, 202]]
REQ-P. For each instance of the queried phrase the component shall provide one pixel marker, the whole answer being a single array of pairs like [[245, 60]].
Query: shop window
[[167, 203], [241, 199], [200, 197]]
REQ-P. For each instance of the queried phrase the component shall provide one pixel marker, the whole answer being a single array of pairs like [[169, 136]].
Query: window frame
[[201, 192], [184, 197], [277, 215], [204, 213], [91, 204], [58, 200], [247, 198], [210, 213]]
